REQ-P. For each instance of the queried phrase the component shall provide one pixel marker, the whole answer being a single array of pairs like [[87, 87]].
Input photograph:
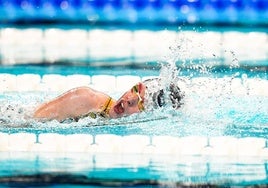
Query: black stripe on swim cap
[[175, 95], [159, 98], [159, 94]]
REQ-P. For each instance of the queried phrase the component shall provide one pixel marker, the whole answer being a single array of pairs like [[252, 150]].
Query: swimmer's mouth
[[119, 108]]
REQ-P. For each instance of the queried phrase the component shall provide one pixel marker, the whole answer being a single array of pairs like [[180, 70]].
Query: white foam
[[238, 87], [204, 85]]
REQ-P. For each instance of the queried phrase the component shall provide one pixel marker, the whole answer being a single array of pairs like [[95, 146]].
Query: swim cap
[[158, 94]]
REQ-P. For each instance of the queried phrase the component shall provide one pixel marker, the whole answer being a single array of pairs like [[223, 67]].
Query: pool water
[[218, 136], [230, 108], [131, 170], [212, 107]]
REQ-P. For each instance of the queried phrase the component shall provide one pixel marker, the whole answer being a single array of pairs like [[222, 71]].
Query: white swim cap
[[158, 94]]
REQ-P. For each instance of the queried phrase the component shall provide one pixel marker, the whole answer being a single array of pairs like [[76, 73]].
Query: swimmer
[[81, 102]]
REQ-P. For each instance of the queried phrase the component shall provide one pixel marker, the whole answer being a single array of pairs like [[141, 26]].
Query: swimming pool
[[218, 137]]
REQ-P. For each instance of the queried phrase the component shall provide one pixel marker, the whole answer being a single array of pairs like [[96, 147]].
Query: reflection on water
[[25, 169]]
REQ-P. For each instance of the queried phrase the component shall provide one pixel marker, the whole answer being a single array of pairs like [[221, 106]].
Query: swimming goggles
[[140, 102]]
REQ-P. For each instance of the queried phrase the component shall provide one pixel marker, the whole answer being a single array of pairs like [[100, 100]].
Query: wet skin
[[81, 101]]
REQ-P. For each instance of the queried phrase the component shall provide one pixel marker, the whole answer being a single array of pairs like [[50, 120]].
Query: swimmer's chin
[[114, 114]]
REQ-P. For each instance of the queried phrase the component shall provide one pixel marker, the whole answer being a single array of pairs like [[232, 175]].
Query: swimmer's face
[[131, 102]]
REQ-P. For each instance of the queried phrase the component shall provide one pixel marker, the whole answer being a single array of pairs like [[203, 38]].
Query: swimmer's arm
[[72, 104]]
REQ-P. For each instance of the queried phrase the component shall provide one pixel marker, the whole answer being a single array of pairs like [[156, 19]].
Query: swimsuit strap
[[103, 113], [106, 109]]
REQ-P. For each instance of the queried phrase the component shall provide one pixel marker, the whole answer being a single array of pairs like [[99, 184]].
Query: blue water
[[201, 115], [210, 115], [49, 169], [250, 69]]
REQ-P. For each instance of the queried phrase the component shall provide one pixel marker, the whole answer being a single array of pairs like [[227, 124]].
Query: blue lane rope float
[[136, 11]]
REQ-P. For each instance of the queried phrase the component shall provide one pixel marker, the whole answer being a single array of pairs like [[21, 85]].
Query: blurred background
[[138, 12], [131, 32]]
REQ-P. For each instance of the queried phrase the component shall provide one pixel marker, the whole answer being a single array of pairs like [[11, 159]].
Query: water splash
[[213, 104]]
